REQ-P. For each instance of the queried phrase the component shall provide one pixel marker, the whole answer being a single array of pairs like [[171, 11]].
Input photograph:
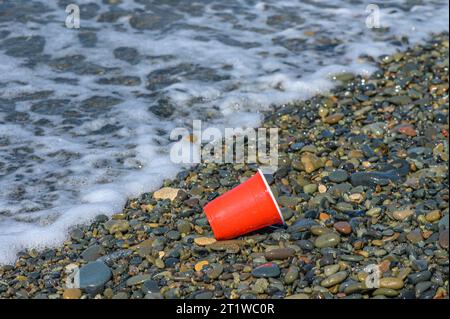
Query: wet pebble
[[94, 275], [334, 279], [327, 240], [266, 270], [279, 253], [338, 176]]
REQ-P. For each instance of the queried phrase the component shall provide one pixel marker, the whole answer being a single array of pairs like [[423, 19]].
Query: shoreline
[[338, 221]]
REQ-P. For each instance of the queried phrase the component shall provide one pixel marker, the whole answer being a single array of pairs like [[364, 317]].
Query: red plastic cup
[[246, 208]]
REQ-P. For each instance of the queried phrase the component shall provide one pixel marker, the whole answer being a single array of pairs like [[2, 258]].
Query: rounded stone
[[343, 227], [291, 275], [385, 292], [330, 270], [150, 286], [327, 240], [391, 283], [443, 239], [214, 271], [94, 276], [114, 226], [184, 227], [279, 253], [402, 214], [433, 216], [334, 279], [266, 270], [417, 277], [72, 293], [338, 176], [310, 188]]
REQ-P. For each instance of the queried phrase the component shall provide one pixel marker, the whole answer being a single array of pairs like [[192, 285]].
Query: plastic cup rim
[[271, 195]]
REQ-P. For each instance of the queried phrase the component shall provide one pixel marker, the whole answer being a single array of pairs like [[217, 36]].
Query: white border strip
[[271, 195]]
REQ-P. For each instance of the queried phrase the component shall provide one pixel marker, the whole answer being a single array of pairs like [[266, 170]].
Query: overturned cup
[[247, 207]]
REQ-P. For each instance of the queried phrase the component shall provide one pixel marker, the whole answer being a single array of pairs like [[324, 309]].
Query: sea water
[[85, 114]]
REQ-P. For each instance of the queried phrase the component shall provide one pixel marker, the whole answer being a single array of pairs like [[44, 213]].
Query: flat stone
[[352, 258], [266, 270], [166, 193], [152, 21], [94, 275], [204, 241], [204, 295], [400, 100], [302, 225], [327, 240], [298, 296], [230, 246], [93, 252], [372, 179], [279, 253], [344, 207], [333, 118], [138, 279]]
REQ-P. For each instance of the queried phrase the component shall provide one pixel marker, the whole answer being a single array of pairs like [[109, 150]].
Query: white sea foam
[[59, 169]]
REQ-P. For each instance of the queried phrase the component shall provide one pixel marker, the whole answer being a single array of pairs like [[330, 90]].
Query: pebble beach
[[362, 180]]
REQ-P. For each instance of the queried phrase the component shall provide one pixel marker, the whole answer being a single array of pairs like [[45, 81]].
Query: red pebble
[[407, 129]]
